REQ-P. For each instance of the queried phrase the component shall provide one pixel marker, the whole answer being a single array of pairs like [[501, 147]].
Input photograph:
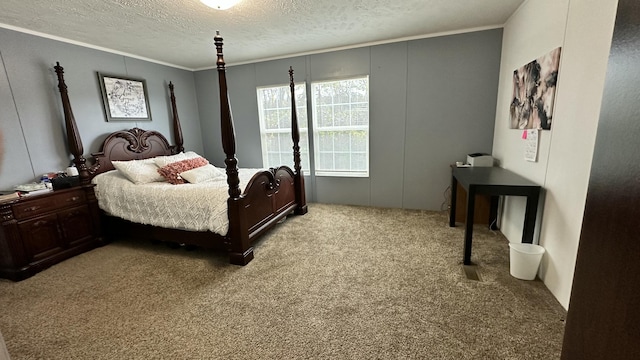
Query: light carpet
[[341, 282]]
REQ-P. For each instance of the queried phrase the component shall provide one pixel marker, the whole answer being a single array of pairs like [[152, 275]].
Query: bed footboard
[[268, 198], [270, 195]]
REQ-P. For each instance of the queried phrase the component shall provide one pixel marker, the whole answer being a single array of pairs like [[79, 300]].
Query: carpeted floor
[[342, 282]]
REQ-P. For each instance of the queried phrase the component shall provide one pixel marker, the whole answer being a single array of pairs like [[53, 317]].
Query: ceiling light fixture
[[220, 4]]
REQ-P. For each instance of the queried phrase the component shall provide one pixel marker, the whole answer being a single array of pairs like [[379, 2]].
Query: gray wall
[[31, 118], [432, 101]]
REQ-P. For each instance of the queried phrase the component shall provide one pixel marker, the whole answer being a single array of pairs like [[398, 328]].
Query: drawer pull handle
[[75, 198], [33, 208]]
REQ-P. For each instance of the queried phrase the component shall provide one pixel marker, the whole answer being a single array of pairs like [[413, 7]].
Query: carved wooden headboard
[[132, 144]]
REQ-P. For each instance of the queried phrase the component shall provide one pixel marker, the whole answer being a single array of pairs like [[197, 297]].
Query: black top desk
[[493, 181]]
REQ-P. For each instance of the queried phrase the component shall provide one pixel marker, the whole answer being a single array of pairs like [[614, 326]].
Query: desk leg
[[468, 231], [452, 206], [530, 217]]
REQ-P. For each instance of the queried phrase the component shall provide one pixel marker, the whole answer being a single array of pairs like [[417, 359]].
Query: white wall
[[583, 28]]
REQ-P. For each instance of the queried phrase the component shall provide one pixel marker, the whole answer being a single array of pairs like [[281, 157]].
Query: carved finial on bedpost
[[177, 130], [73, 136], [295, 135], [226, 122]]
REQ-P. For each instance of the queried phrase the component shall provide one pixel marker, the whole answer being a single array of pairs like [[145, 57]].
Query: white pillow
[[139, 171], [202, 174], [166, 160]]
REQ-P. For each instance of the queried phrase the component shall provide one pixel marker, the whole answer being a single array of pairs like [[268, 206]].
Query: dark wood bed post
[[295, 134], [73, 137], [241, 251], [177, 130], [75, 146]]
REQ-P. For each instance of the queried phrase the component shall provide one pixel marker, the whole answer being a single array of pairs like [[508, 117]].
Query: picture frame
[[534, 92], [124, 98]]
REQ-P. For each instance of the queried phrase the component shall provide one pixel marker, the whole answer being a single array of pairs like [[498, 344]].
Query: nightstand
[[39, 231]]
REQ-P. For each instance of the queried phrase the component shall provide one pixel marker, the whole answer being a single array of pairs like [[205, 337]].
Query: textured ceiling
[[180, 32]]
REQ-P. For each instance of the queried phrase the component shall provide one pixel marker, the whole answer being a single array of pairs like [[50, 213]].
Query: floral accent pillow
[[166, 160], [172, 171]]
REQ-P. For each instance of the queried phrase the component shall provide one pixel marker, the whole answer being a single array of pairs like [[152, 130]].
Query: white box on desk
[[479, 159]]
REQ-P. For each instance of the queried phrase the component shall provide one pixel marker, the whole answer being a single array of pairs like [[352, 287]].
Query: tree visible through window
[[341, 127], [274, 113]]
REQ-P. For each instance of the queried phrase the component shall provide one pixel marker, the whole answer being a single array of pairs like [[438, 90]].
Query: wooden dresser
[[40, 231]]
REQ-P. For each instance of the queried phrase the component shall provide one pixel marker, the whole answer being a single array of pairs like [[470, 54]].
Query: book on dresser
[[8, 195], [34, 192], [32, 189]]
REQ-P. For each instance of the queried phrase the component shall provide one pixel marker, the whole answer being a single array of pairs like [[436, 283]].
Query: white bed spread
[[196, 207]]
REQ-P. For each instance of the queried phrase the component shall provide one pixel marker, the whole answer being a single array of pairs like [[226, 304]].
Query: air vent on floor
[[471, 272]]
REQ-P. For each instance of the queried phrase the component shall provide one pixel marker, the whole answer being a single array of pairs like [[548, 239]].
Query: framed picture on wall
[[124, 98], [534, 92]]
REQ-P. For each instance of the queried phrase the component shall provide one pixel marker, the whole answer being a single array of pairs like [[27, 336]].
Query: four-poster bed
[[269, 195]]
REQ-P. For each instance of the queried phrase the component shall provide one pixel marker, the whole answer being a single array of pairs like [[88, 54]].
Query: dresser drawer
[[46, 203], [41, 230]]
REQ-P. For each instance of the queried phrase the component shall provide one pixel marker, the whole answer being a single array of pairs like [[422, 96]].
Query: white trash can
[[524, 260]]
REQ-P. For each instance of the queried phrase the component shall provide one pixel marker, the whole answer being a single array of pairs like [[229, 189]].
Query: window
[[274, 113], [341, 127]]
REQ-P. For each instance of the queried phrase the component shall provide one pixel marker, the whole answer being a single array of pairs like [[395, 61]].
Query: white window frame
[[301, 111], [317, 130]]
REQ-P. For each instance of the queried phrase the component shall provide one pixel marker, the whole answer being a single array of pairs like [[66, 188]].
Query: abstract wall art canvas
[[534, 91]]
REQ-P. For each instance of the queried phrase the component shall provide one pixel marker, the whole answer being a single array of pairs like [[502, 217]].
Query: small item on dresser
[[72, 171], [6, 196], [46, 181], [32, 189], [35, 192], [65, 182]]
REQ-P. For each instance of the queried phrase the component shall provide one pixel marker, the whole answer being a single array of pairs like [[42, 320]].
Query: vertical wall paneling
[[158, 78], [208, 97], [34, 98], [451, 95], [310, 186], [244, 107], [388, 113], [276, 72], [397, 127], [583, 29], [15, 164], [332, 66], [432, 101], [340, 64]]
